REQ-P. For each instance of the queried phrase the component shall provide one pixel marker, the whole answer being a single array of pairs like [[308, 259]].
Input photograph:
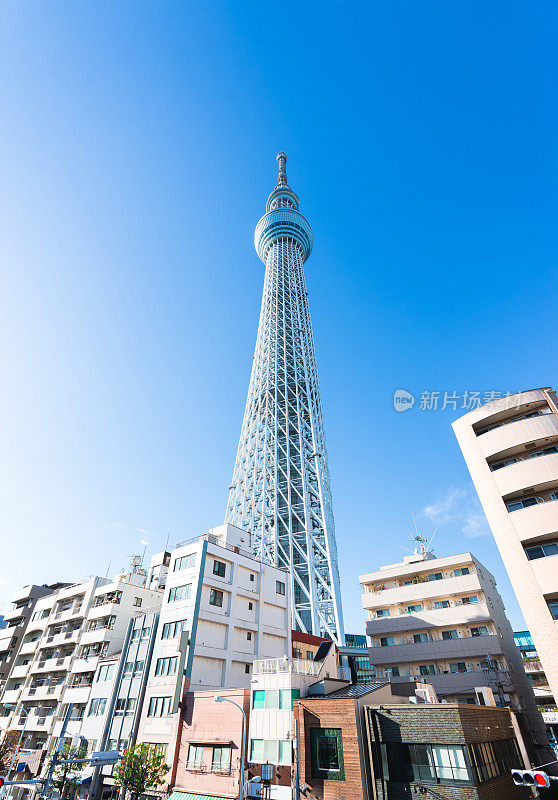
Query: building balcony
[[11, 696], [85, 664], [21, 671], [274, 666], [466, 682], [440, 649], [545, 570], [22, 594], [35, 722], [97, 635], [77, 694], [108, 607], [44, 692], [524, 431], [533, 666], [417, 592], [14, 614], [539, 473], [64, 637], [29, 647], [454, 615], [535, 521], [550, 717], [52, 663]]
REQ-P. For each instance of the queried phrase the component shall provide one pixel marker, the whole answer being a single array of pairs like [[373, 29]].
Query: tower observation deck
[[280, 491]]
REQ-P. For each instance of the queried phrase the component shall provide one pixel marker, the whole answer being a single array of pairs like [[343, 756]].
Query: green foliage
[[141, 768], [68, 774], [8, 747]]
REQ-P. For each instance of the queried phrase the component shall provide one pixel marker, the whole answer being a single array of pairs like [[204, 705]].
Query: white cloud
[[459, 505]]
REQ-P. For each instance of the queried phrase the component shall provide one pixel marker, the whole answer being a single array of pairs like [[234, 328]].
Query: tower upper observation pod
[[280, 491], [283, 218]]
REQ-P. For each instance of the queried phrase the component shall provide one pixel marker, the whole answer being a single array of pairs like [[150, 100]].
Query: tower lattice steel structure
[[280, 491]]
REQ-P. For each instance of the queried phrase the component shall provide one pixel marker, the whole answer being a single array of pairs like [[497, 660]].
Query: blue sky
[[138, 146]]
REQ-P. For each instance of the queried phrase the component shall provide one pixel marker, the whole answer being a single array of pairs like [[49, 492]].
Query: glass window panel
[[258, 700], [270, 750], [271, 698], [257, 750], [328, 755], [285, 700], [285, 751]]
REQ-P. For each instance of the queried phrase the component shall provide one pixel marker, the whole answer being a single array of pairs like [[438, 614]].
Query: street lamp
[[16, 751], [220, 699]]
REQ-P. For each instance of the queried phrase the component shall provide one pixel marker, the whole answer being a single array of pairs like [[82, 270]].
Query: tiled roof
[[355, 690]]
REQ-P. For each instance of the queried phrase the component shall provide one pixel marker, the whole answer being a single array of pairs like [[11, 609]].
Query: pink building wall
[[210, 724]]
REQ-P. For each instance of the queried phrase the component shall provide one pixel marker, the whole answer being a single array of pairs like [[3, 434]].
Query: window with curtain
[[221, 761], [195, 756]]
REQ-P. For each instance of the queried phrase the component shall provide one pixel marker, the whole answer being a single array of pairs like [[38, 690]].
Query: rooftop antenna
[[167, 542], [108, 568]]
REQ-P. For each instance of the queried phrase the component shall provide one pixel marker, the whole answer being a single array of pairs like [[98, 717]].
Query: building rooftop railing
[[209, 537], [297, 666]]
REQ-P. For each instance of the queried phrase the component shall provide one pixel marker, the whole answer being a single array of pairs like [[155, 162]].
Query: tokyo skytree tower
[[280, 491]]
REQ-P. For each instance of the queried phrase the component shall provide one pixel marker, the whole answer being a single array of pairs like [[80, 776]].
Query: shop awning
[[193, 796]]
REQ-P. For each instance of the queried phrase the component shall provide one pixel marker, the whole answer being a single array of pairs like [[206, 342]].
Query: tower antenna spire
[[282, 161]]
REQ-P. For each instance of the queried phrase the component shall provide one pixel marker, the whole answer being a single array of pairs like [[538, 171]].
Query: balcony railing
[[298, 666]]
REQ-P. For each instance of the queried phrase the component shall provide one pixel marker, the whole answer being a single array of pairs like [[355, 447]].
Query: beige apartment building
[[511, 449], [442, 620]]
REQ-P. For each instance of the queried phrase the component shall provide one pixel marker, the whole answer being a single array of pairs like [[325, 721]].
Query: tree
[[141, 768], [68, 774], [8, 747]]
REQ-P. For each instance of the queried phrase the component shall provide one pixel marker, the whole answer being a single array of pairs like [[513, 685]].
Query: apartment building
[[543, 695], [15, 625], [510, 447], [222, 610], [70, 631], [443, 619]]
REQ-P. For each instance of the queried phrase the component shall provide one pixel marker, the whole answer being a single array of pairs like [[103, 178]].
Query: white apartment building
[[511, 450], [443, 620], [70, 631], [16, 620], [222, 610]]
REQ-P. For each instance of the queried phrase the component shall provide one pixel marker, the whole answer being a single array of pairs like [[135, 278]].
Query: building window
[[166, 666], [481, 630], [525, 502], [450, 635], [489, 760], [97, 707], [414, 609], [105, 673], [215, 598], [461, 571], [195, 756], [137, 602], [382, 612], [279, 587], [309, 655], [459, 666], [421, 637], [326, 747], [125, 706], [252, 577], [250, 606], [258, 698], [441, 604], [180, 592], [297, 652], [542, 550], [505, 463], [392, 672], [221, 760], [133, 668], [286, 697], [159, 707], [467, 601], [173, 629], [184, 562], [272, 698], [387, 641], [257, 750], [249, 635], [435, 576], [553, 607], [404, 763], [219, 568], [247, 669], [427, 669]]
